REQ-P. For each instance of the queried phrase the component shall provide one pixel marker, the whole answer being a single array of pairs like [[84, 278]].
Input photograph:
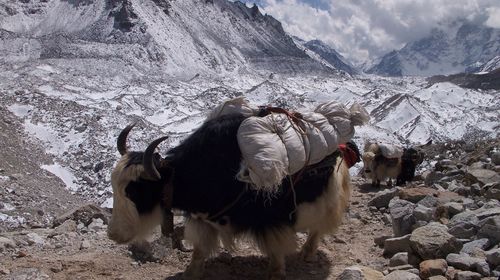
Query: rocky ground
[[444, 225]]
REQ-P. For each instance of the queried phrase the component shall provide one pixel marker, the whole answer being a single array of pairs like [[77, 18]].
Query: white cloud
[[365, 29], [493, 17]]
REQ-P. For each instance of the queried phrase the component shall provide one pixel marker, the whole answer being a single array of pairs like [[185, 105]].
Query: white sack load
[[390, 150], [275, 146], [236, 105]]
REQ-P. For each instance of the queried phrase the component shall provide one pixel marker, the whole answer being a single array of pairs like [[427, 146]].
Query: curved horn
[[148, 163], [121, 143]]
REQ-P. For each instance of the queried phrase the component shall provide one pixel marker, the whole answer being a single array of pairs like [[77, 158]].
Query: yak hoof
[[192, 273], [309, 257], [277, 276]]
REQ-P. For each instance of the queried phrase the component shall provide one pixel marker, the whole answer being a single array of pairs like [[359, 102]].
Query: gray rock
[[422, 213], [97, 225], [402, 218], [482, 176], [463, 230], [84, 245], [401, 275], [405, 267], [487, 211], [66, 226], [433, 177], [6, 243], [495, 158], [462, 190], [464, 262], [433, 241], [84, 214], [470, 248], [382, 198], [491, 191], [379, 241], [464, 225], [467, 275], [360, 273], [399, 259], [453, 208], [34, 239], [396, 245], [490, 228], [429, 201], [493, 257], [437, 277], [482, 267]]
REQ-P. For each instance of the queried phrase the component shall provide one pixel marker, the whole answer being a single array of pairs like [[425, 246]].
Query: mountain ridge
[[461, 46]]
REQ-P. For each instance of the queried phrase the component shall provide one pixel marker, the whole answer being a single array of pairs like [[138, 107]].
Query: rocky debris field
[[443, 225]]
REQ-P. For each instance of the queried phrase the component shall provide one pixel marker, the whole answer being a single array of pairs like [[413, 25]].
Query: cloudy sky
[[366, 29]]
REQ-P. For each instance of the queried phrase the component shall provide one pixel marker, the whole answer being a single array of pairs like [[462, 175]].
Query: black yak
[[199, 177]]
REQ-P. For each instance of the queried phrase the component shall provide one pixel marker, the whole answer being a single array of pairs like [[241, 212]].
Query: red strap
[[349, 155]]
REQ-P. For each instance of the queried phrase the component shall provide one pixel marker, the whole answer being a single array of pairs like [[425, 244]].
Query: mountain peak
[[453, 47]]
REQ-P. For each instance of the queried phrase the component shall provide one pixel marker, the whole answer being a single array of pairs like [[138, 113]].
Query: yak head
[[370, 151], [137, 191], [415, 155]]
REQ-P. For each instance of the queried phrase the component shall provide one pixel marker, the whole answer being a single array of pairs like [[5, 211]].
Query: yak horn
[[121, 143], [148, 163]]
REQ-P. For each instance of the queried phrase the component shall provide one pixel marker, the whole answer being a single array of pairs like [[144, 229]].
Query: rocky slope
[[326, 55], [179, 38]]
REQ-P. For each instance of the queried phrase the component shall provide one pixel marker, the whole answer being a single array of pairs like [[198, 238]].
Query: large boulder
[[493, 257], [482, 176], [402, 218], [431, 268], [84, 214], [382, 198], [433, 241], [401, 275], [490, 228], [360, 273], [416, 194], [396, 245], [465, 262], [491, 190]]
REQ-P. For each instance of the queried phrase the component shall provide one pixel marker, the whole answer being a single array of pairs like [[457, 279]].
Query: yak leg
[[205, 239], [310, 248], [277, 243], [277, 267]]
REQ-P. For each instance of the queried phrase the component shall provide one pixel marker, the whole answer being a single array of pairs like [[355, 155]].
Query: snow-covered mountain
[[326, 55], [180, 38], [460, 46], [491, 65]]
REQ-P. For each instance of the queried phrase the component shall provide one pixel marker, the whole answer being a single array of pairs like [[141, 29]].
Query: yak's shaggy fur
[[202, 171], [379, 168]]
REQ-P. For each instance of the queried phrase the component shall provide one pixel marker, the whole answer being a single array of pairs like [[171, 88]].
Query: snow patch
[[64, 174], [20, 110]]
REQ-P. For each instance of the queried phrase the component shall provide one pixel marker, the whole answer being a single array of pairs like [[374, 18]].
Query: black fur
[[204, 169], [354, 147], [409, 161], [145, 193]]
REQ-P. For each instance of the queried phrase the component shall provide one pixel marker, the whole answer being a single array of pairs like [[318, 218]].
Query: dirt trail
[[88, 254]]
